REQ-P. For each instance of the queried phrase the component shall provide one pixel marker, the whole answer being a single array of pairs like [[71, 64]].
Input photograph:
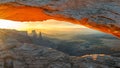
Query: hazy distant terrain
[[82, 41], [73, 41], [18, 49]]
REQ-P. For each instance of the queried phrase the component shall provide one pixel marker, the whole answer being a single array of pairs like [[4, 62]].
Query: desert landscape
[[59, 33]]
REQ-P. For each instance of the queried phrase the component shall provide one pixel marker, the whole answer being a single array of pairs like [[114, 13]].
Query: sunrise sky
[[48, 24]]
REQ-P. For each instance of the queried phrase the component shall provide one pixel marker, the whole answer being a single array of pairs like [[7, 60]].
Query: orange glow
[[22, 13], [27, 13], [111, 28]]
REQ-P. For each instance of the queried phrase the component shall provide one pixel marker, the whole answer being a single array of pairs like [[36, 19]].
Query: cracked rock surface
[[33, 56]]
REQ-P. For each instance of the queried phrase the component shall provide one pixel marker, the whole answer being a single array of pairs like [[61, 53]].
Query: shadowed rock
[[17, 54]]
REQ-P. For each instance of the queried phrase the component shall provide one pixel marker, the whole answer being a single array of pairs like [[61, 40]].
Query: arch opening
[[27, 27], [23, 13], [63, 36]]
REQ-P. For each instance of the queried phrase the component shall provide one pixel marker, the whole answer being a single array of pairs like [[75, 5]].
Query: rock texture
[[100, 62], [14, 53], [102, 15], [31, 56], [26, 55]]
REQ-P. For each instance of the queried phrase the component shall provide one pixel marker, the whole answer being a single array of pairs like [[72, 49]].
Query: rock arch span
[[103, 15]]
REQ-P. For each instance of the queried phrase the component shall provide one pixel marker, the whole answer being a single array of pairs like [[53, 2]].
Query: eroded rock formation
[[27, 55], [14, 53], [102, 15]]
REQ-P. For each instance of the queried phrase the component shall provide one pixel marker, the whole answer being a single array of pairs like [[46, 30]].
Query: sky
[[48, 24], [48, 27]]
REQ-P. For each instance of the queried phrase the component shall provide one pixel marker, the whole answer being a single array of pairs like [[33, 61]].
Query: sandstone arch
[[101, 15]]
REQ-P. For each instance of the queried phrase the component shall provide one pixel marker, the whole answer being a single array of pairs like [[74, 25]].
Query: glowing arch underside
[[20, 12]]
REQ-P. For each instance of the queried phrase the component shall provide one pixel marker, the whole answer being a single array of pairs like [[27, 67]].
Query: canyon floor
[[18, 51]]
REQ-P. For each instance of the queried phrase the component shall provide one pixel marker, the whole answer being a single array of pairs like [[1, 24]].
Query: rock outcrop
[[17, 54], [31, 56], [100, 62], [26, 55], [102, 15]]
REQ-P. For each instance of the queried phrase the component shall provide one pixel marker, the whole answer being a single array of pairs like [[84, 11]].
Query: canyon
[[18, 50]]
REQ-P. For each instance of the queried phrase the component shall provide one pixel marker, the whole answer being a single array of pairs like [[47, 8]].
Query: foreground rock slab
[[24, 55]]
